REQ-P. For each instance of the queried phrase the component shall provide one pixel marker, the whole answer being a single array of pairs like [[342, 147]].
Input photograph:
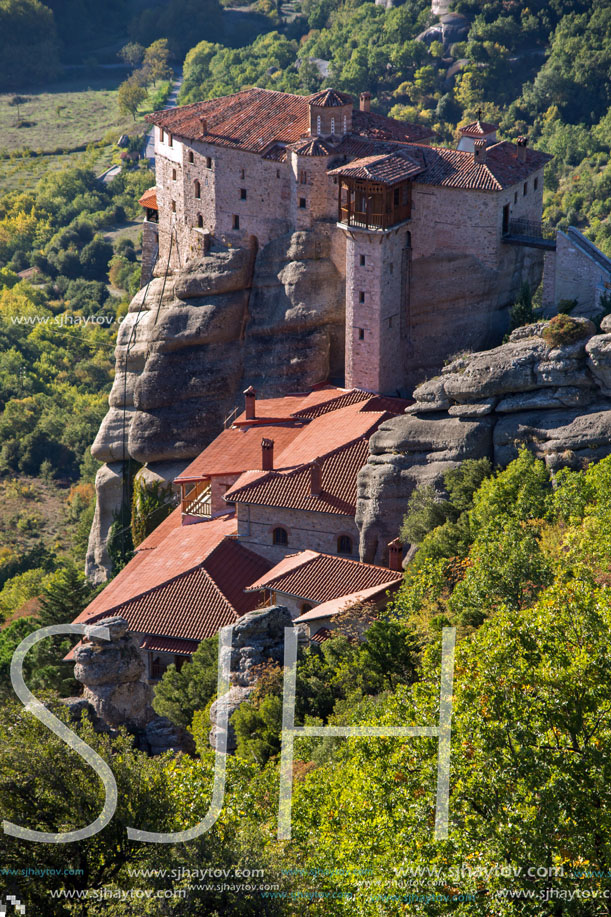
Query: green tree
[[155, 63], [132, 53], [29, 48], [130, 96], [180, 693], [522, 312]]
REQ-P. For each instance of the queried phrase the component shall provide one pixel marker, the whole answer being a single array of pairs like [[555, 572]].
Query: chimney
[[479, 150], [522, 143], [267, 454], [395, 555], [250, 396], [365, 101], [315, 479], [204, 126]]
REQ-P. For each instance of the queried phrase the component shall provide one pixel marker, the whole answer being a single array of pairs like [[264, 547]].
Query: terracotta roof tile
[[344, 602], [183, 549], [378, 127], [458, 168], [197, 602], [321, 577], [330, 98], [277, 153], [312, 146], [478, 129], [292, 490], [149, 199], [171, 522], [314, 406], [389, 168], [326, 433], [322, 634], [169, 645], [238, 449]]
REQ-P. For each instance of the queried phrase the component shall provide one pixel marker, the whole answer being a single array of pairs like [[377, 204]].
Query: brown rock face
[[554, 400], [272, 318]]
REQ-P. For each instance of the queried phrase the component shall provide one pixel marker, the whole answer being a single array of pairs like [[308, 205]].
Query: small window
[[200, 221], [303, 177], [236, 221], [345, 124], [515, 197], [173, 174], [362, 260], [390, 322], [318, 124], [277, 173], [242, 173], [161, 134], [361, 334], [361, 296], [280, 536], [536, 183], [391, 268], [302, 203], [198, 190], [333, 126], [242, 194], [173, 206], [170, 140], [208, 162], [344, 544], [190, 155], [525, 188]]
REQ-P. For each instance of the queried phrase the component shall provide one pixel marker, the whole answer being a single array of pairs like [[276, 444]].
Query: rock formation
[[116, 692], [193, 341], [556, 400], [258, 638]]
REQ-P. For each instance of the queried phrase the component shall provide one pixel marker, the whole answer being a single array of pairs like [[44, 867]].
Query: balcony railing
[[530, 229], [373, 219], [198, 500]]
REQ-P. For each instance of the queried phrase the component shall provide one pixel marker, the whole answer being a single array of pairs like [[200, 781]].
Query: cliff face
[[555, 400], [272, 318]]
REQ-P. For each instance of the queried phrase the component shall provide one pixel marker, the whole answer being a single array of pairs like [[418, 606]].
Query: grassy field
[[59, 121]]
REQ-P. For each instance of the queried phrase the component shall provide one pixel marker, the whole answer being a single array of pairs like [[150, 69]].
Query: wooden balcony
[[197, 499], [373, 206]]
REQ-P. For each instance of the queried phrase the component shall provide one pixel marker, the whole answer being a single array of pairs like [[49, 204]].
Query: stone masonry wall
[[313, 531], [576, 271]]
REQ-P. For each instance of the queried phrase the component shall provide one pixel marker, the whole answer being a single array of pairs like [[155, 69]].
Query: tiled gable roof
[[335, 606], [379, 127], [389, 168], [328, 432], [314, 407], [292, 490], [193, 603], [321, 577], [248, 120], [171, 522], [182, 550]]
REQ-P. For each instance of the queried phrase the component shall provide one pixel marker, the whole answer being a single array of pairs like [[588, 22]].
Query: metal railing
[[531, 229]]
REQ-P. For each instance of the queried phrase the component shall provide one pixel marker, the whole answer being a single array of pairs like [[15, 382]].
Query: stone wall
[[578, 271], [306, 530], [554, 400]]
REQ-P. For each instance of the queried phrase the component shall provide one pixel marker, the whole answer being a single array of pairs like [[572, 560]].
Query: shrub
[[563, 329]]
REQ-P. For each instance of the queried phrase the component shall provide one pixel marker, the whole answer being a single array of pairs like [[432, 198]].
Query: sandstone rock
[[599, 358], [430, 396], [257, 639], [109, 491], [605, 325], [567, 396], [480, 409]]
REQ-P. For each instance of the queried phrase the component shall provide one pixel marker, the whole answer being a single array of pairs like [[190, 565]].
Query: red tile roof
[[458, 168], [238, 449], [171, 522], [195, 603], [344, 602], [322, 634], [320, 577], [388, 169], [478, 129], [378, 127], [313, 406], [149, 199], [183, 549], [169, 645], [330, 98], [292, 490], [312, 146], [255, 119]]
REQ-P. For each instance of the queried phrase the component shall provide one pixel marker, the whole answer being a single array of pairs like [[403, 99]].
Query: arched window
[[318, 124], [198, 190], [344, 544], [345, 124], [333, 126], [280, 536], [200, 221]]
